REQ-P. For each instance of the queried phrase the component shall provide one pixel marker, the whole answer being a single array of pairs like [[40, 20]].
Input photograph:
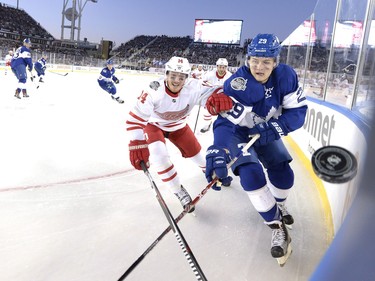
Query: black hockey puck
[[334, 164]]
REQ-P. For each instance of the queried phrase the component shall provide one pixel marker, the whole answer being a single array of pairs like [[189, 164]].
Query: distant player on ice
[[107, 81], [22, 59], [40, 68], [8, 59], [160, 114], [198, 72], [215, 77], [267, 100]]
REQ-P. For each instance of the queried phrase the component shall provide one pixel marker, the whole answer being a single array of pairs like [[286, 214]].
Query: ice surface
[[72, 208]]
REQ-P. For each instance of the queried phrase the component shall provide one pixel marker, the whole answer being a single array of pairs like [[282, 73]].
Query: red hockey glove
[[138, 151], [217, 103]]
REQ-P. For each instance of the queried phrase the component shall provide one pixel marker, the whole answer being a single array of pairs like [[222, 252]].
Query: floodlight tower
[[72, 14]]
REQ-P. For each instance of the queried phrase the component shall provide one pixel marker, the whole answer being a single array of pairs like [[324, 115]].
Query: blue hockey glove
[[269, 131], [225, 182], [216, 166], [116, 80]]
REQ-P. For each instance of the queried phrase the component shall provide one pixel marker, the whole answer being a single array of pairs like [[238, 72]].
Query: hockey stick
[[207, 84], [196, 121], [181, 215], [32, 78], [180, 238], [59, 73]]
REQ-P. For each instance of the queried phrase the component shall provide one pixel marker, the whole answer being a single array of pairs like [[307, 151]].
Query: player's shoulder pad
[[154, 85]]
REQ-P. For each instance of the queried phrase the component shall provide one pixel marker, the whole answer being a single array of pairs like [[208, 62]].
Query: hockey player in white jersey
[[8, 59], [160, 114], [198, 72], [215, 77], [267, 100]]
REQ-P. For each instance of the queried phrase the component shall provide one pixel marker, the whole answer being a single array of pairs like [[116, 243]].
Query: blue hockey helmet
[[109, 62], [27, 41], [264, 45]]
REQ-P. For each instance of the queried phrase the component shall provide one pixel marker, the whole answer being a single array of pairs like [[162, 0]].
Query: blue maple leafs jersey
[[253, 103], [107, 76], [22, 56], [40, 64]]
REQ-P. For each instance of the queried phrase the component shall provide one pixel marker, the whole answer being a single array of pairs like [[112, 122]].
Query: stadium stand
[[141, 52]]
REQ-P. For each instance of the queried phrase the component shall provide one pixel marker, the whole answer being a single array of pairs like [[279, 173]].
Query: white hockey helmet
[[222, 61], [178, 64]]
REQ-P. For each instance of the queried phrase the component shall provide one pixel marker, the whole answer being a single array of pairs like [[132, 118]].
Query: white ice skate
[[185, 200], [206, 128]]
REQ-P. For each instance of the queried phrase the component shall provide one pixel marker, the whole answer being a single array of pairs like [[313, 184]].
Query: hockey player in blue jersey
[[22, 59], [107, 79], [40, 68], [267, 100]]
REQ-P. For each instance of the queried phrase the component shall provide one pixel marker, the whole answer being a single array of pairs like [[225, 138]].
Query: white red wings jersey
[[212, 78], [158, 106], [197, 74], [8, 58]]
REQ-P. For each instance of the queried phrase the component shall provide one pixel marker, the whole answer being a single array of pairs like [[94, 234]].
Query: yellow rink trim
[[318, 184]]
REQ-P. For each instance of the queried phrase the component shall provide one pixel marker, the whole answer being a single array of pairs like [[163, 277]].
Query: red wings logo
[[173, 115]]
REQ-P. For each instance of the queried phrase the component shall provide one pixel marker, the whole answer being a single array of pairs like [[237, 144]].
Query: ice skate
[[206, 128], [281, 242], [118, 99], [24, 93], [185, 200], [17, 95], [287, 218]]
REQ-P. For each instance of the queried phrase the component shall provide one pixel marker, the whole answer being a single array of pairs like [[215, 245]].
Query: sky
[[121, 20]]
